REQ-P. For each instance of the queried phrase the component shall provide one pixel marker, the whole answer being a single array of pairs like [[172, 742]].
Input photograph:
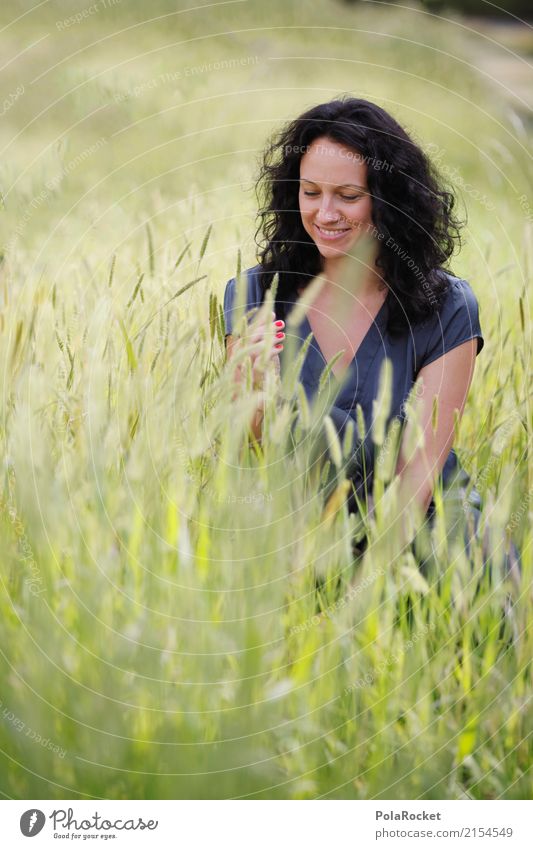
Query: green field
[[161, 635]]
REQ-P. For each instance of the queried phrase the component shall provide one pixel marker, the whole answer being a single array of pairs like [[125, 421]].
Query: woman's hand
[[253, 343]]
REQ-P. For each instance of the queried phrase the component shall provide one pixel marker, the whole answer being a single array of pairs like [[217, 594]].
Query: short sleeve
[[253, 298], [229, 298], [456, 322]]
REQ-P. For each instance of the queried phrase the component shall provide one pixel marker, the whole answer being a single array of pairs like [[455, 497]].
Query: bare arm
[[448, 380]]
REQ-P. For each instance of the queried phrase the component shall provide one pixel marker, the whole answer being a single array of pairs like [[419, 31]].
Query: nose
[[327, 214]]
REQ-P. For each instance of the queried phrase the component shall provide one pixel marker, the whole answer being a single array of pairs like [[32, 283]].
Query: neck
[[370, 282]]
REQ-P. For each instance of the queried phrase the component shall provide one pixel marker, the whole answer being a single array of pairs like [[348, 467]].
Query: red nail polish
[[279, 323], [280, 335], [278, 346]]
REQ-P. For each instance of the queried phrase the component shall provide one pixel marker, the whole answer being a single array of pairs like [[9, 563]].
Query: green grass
[[160, 625]]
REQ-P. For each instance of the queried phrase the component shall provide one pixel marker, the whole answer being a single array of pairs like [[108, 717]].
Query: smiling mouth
[[331, 234]]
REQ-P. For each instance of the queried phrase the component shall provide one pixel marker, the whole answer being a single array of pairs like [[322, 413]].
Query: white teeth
[[331, 232]]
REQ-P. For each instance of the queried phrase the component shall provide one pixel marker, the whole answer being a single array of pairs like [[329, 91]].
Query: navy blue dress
[[457, 321]]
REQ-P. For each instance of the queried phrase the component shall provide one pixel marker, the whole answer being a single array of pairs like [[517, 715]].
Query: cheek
[[307, 212], [367, 209], [305, 206], [362, 212]]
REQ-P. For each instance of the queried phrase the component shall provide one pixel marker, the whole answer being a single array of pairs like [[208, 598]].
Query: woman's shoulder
[[458, 297], [454, 321], [251, 274], [253, 290], [460, 292]]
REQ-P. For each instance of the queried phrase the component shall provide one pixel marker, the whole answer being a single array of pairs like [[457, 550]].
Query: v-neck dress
[[456, 322]]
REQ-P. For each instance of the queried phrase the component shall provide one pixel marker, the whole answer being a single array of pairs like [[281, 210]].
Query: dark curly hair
[[411, 211]]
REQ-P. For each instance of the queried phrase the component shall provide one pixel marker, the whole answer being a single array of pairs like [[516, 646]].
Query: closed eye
[[343, 197]]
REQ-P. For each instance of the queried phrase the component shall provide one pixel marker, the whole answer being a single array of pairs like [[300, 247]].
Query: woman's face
[[335, 206]]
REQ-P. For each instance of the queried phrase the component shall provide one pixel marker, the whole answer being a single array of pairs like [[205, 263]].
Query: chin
[[330, 251]]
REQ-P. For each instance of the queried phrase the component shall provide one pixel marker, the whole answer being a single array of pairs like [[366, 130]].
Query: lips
[[332, 234]]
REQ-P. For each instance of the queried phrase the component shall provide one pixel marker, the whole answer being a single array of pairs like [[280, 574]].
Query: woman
[[342, 174]]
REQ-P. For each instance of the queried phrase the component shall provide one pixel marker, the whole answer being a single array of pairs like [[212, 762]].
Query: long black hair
[[411, 210]]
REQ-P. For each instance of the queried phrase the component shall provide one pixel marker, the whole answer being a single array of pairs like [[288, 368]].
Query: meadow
[[161, 633]]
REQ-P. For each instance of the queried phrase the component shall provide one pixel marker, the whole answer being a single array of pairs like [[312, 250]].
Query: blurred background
[[158, 607], [114, 115]]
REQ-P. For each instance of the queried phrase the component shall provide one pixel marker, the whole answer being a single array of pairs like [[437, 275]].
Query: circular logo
[[32, 822]]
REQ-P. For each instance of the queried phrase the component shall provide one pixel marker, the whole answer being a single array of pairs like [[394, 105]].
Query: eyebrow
[[342, 186]]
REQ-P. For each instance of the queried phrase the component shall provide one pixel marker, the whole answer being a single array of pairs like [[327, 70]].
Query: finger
[[257, 343], [261, 330], [261, 358], [259, 348], [260, 320]]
